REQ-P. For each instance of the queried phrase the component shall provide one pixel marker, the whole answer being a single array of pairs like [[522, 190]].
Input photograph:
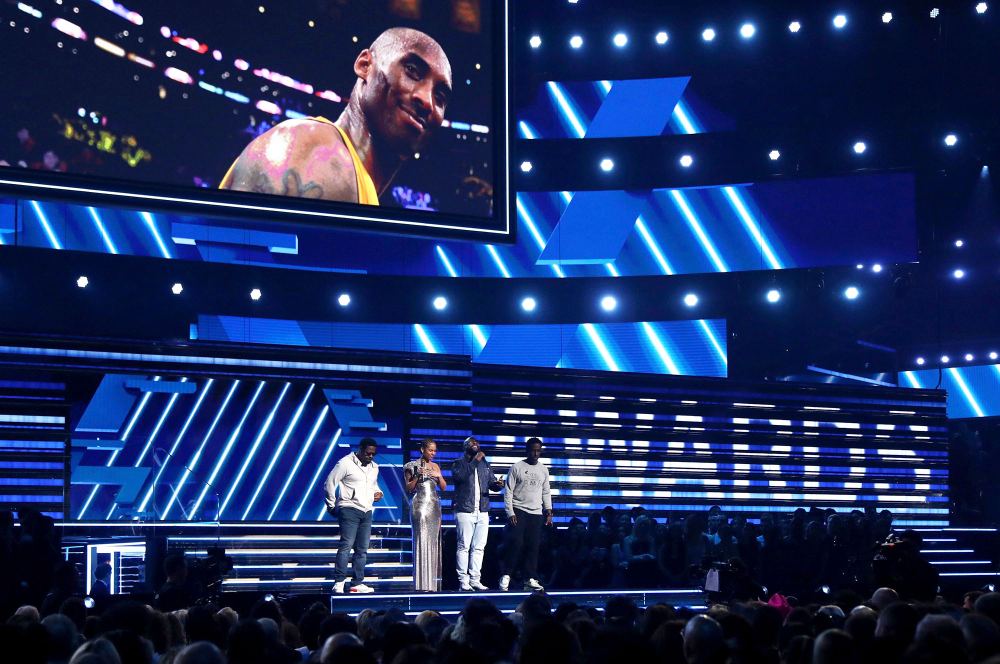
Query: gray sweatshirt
[[527, 488]]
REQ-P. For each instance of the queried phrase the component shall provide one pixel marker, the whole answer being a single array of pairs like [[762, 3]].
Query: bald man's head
[[404, 84]]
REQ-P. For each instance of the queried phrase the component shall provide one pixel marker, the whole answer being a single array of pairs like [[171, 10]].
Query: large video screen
[[385, 112]]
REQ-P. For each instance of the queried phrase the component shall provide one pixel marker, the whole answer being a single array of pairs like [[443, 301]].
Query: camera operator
[[898, 565]]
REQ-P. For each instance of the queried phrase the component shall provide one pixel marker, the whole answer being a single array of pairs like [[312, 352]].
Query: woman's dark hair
[[427, 441]]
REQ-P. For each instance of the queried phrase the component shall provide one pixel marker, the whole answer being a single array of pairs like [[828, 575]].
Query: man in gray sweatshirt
[[528, 503]]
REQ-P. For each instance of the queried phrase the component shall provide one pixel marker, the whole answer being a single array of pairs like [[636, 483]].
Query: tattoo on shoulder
[[258, 181]]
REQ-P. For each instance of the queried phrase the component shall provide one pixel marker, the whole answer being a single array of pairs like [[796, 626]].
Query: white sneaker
[[531, 584], [505, 582], [362, 589], [478, 585], [338, 587]]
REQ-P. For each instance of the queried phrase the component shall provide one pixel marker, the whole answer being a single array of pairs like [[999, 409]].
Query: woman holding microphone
[[423, 481]]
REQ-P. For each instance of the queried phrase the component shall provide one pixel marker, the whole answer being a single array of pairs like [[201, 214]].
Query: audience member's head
[[989, 605], [898, 622], [883, 597], [132, 648], [549, 642], [344, 648], [621, 612], [982, 637], [63, 637], [102, 649], [433, 625], [200, 653], [704, 641], [834, 646], [398, 636]]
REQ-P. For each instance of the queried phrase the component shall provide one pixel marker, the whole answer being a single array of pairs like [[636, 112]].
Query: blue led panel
[[973, 391]]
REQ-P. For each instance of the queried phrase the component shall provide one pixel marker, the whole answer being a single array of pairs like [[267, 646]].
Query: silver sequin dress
[[425, 519]]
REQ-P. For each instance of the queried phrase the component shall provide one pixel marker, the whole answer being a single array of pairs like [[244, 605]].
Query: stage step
[[965, 558]]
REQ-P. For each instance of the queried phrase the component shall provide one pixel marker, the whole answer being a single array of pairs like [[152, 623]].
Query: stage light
[[969, 357], [686, 160], [82, 282], [269, 597], [990, 587], [993, 355], [748, 30], [860, 147], [576, 41], [774, 155], [620, 40], [860, 266], [839, 21], [851, 292], [177, 288], [959, 273], [662, 37], [945, 359], [825, 589], [344, 299], [935, 12], [255, 294], [526, 167], [609, 303], [950, 140], [535, 41], [690, 300], [981, 9], [89, 602], [440, 303], [708, 34], [529, 304], [959, 243], [773, 295], [920, 361], [876, 268], [607, 165], [887, 17], [794, 27]]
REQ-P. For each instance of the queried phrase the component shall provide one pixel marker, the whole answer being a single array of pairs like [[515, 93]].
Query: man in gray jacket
[[528, 503], [351, 491]]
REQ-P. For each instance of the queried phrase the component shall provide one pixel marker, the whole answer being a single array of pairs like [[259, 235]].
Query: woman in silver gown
[[423, 480]]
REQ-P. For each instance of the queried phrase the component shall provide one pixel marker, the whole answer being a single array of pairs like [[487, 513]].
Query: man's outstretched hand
[[513, 519]]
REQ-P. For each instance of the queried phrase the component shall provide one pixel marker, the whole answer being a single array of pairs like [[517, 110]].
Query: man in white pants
[[473, 480]]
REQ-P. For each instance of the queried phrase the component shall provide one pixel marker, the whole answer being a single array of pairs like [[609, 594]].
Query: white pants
[[473, 529]]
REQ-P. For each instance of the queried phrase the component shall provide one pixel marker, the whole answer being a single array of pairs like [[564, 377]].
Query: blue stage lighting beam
[[529, 223], [602, 348], [424, 338], [115, 453], [685, 120], [193, 463], [44, 221], [233, 437], [566, 107], [102, 230], [311, 487], [703, 239], [298, 462], [476, 332], [752, 227], [262, 482], [159, 425], [719, 350], [177, 441], [612, 270], [661, 350], [444, 259], [526, 130], [912, 378], [970, 398], [653, 246], [253, 449], [499, 261], [151, 223]]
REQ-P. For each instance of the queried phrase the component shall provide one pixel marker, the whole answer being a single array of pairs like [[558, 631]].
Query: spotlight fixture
[[840, 21], [177, 288], [981, 9], [89, 602], [529, 304], [876, 268], [82, 282], [773, 295], [576, 41], [950, 140], [526, 167], [860, 266], [993, 355], [440, 303], [851, 292], [969, 357], [708, 34], [344, 299], [935, 12], [609, 303], [959, 243], [620, 40], [860, 147], [662, 37], [535, 41], [958, 273], [255, 294], [920, 361], [794, 27], [945, 359], [774, 155], [748, 30], [690, 300], [607, 165], [686, 160], [887, 17]]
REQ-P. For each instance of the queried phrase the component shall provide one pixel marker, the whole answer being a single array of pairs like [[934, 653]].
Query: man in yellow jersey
[[398, 100]]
